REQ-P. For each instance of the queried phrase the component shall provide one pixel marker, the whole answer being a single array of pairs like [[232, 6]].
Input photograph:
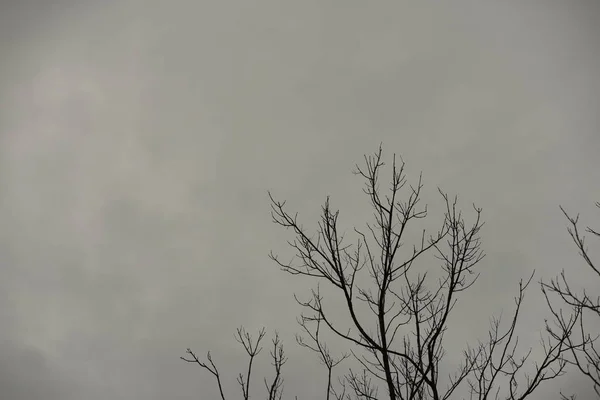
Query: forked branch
[[585, 354]]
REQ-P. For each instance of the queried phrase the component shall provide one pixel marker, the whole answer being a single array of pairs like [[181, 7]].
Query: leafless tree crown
[[400, 347]]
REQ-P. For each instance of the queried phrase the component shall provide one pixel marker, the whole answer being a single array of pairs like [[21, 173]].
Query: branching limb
[[275, 389], [319, 347], [585, 353], [252, 349], [362, 385], [212, 368], [495, 362]]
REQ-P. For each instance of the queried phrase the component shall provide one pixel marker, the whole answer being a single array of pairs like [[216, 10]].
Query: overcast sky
[[138, 140]]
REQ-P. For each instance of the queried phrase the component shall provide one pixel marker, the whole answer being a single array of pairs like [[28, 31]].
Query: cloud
[[26, 374], [138, 140]]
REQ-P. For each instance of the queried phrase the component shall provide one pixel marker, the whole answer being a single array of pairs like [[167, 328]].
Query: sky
[[138, 140]]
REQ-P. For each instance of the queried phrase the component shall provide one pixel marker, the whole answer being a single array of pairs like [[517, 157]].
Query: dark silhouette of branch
[[400, 344], [212, 368], [321, 349], [252, 349], [405, 348], [585, 353], [496, 360], [362, 385], [275, 389]]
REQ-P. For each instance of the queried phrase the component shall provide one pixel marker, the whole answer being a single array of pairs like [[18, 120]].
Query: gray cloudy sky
[[138, 140]]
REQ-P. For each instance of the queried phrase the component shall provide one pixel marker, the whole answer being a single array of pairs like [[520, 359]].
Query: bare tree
[[584, 305], [400, 345], [403, 348]]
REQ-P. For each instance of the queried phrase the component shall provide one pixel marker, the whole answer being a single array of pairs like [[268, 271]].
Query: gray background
[[138, 140]]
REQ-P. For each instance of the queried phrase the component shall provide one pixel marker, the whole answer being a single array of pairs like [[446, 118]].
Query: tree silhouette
[[400, 345], [584, 305]]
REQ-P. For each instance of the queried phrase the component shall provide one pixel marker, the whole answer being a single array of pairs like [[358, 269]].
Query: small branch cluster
[[322, 351], [252, 348], [585, 354], [497, 358]]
